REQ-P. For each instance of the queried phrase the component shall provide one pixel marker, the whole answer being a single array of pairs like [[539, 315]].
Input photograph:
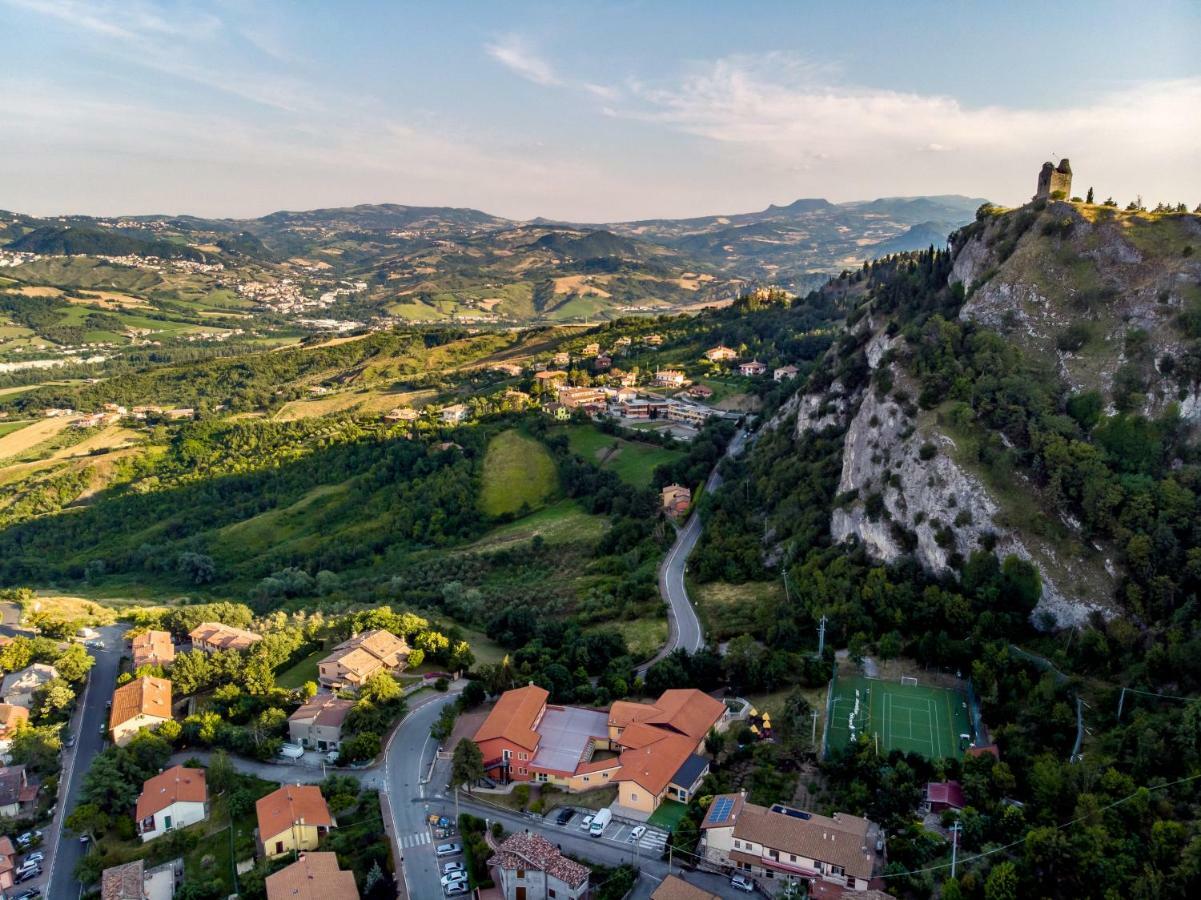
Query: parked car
[[36, 856], [26, 874], [742, 883], [448, 849], [331, 758], [28, 866], [291, 751], [637, 832], [459, 887], [69, 740], [586, 824], [452, 867], [453, 878], [29, 894], [29, 838], [565, 815]]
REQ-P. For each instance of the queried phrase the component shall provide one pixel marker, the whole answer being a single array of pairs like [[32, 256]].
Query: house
[[657, 746], [174, 798], [635, 409], [17, 795], [676, 499], [510, 369], [549, 376], [532, 868], [314, 876], [152, 648], [602, 362], [653, 339], [625, 394], [688, 413], [784, 373], [590, 349], [318, 724], [752, 369], [700, 391], [557, 411], [623, 379], [673, 887], [292, 818], [127, 882], [213, 636], [670, 378], [720, 354], [841, 850], [359, 657], [943, 795], [8, 862], [142, 703], [573, 397], [402, 414], [181, 413], [562, 358], [455, 413], [12, 719], [18, 687]]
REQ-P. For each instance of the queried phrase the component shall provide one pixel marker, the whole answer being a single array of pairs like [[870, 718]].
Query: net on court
[[912, 718]]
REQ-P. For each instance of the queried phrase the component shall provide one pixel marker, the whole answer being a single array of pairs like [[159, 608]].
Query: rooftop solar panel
[[721, 809]]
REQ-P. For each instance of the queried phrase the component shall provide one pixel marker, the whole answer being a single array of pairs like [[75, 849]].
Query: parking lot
[[650, 840]]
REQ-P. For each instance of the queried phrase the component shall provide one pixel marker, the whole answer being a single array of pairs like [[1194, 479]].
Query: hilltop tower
[[1055, 180]]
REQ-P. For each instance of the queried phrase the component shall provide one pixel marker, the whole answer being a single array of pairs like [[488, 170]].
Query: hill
[[69, 240]]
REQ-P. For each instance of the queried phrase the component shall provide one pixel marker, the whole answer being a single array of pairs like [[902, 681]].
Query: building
[[573, 397], [653, 339], [513, 370], [590, 349], [784, 373], [1054, 181], [8, 862], [943, 795], [12, 719], [651, 751], [152, 648], [318, 724], [562, 358], [700, 391], [688, 413], [402, 414], [358, 658], [133, 881], [532, 868], [625, 394], [676, 499], [549, 376], [720, 354], [142, 703], [557, 411], [314, 876], [635, 409], [213, 636], [455, 413], [673, 887], [291, 819], [670, 378], [752, 369], [602, 362], [17, 795], [174, 798], [18, 687], [781, 842]]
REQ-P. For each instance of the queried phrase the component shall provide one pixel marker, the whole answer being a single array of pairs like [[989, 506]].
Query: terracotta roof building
[[314, 876], [11, 718], [318, 723], [754, 367], [356, 659], [17, 795], [842, 850], [142, 703], [531, 866], [673, 887], [213, 636], [127, 882], [174, 798], [18, 687], [292, 818], [8, 862], [942, 795], [152, 648], [675, 500], [720, 354]]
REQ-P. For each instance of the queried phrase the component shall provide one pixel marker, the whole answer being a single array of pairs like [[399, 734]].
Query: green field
[[910, 718], [10, 427], [632, 461], [305, 670], [560, 523], [518, 472]]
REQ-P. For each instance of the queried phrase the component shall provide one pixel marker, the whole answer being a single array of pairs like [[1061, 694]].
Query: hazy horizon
[[623, 112]]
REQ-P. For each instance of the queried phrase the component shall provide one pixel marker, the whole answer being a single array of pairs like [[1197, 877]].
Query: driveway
[[63, 851]]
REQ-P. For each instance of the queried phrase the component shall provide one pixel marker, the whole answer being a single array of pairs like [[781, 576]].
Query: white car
[[36, 856], [742, 883], [454, 878], [586, 824], [459, 887], [448, 849], [637, 832], [451, 867]]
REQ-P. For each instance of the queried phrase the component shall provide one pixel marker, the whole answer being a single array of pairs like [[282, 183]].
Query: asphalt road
[[63, 850], [684, 627]]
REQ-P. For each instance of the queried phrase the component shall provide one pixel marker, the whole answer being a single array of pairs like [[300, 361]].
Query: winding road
[[683, 624]]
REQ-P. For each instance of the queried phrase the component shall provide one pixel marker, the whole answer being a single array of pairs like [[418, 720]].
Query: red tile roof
[[315, 876], [174, 785], [292, 804], [520, 851], [514, 717], [147, 695]]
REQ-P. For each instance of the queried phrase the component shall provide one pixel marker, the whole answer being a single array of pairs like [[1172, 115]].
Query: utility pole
[[1121, 703], [787, 594], [821, 637], [813, 737], [955, 829]]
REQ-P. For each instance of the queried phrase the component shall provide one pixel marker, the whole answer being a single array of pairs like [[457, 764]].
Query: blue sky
[[592, 111]]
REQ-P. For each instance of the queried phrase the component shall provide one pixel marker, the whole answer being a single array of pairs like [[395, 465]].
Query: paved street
[[63, 850], [684, 627]]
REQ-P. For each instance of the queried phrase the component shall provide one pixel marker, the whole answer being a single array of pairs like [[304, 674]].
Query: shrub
[[927, 451]]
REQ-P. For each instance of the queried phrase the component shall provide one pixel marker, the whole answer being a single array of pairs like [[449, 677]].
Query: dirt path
[[31, 435]]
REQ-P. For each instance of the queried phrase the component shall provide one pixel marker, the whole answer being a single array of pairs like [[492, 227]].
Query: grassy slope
[[518, 471], [633, 461]]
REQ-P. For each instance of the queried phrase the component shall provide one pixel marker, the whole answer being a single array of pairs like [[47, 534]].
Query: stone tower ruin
[[1055, 181]]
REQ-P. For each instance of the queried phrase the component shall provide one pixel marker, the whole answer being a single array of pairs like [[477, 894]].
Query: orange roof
[[514, 717], [365, 652], [145, 696], [315, 876], [174, 785], [688, 711], [224, 637], [675, 888], [292, 804], [11, 716], [152, 647], [653, 765], [640, 734], [624, 712]]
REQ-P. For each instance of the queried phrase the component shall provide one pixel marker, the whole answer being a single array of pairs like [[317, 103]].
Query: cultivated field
[[518, 471]]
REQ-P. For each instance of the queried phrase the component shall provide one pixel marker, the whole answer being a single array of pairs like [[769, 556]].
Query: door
[[519, 893]]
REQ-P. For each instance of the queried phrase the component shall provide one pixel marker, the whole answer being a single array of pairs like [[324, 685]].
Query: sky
[[588, 111]]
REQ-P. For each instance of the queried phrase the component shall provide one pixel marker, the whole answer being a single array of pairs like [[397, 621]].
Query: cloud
[[514, 52]]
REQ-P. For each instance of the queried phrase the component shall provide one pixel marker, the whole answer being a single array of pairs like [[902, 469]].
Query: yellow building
[[292, 819]]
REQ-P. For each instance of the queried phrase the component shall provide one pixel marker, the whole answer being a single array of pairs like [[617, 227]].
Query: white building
[[174, 798]]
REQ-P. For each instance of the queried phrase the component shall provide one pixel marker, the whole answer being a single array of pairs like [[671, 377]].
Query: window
[[633, 798], [506, 754], [835, 870], [521, 873], [279, 846], [737, 845], [524, 756], [792, 857], [585, 777]]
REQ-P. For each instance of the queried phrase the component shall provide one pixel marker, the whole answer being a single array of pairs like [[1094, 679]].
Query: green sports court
[[910, 717]]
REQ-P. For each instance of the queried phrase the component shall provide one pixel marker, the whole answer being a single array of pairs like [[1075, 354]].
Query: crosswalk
[[414, 840], [654, 840]]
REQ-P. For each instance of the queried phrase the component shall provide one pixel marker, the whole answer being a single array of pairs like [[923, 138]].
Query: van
[[600, 822], [291, 751]]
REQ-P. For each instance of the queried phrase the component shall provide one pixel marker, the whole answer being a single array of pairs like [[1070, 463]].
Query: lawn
[[305, 670], [518, 473], [560, 523], [633, 461], [643, 637], [668, 815], [10, 427], [726, 609]]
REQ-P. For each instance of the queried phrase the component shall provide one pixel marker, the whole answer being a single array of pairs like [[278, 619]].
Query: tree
[[221, 774], [1089, 196], [467, 766], [89, 819], [52, 699], [473, 695], [74, 664], [1002, 883], [380, 688]]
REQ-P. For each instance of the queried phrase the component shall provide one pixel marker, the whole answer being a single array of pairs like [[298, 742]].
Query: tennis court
[[912, 718]]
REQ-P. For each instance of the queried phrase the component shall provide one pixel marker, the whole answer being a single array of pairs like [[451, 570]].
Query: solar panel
[[721, 809]]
